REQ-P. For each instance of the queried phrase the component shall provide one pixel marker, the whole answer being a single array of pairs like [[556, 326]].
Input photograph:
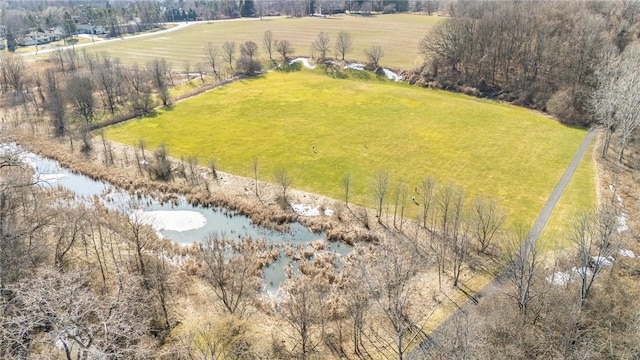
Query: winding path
[[431, 341]]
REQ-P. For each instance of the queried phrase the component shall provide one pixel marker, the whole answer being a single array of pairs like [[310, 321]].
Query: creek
[[178, 221]]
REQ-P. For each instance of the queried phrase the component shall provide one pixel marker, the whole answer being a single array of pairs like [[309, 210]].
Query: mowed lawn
[[398, 34], [361, 127]]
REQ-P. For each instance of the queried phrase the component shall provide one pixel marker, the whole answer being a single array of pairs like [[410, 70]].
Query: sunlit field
[[398, 35], [319, 129]]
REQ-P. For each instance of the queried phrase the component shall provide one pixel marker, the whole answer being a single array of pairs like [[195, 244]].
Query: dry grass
[[398, 34]]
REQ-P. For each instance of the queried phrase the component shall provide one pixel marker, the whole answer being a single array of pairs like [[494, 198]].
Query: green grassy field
[[398, 34], [360, 127], [579, 196]]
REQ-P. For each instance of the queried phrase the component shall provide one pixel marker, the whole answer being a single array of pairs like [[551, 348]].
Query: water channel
[[181, 222]]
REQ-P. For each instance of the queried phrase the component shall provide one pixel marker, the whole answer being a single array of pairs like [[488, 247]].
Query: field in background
[[360, 127], [398, 34]]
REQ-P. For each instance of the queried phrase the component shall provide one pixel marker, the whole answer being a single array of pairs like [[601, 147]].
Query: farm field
[[398, 34], [361, 127]]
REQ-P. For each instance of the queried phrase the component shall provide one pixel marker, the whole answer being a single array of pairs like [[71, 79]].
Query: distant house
[[37, 38], [90, 29]]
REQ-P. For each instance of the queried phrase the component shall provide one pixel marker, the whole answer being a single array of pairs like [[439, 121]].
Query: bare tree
[[231, 273], [628, 109], [303, 309], [284, 181], [522, 267], [389, 276], [212, 53], [109, 80], [427, 195], [229, 49], [602, 103], [344, 44], [80, 92], [346, 185], [248, 62], [269, 45], [488, 218], [321, 46], [55, 104], [356, 298], [379, 188], [373, 55], [157, 69], [459, 235], [255, 168], [595, 236], [285, 49], [139, 90]]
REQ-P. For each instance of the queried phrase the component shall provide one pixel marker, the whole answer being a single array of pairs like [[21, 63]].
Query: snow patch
[[178, 220], [601, 260], [305, 62], [355, 66], [391, 75], [309, 210], [622, 218], [559, 278], [627, 253]]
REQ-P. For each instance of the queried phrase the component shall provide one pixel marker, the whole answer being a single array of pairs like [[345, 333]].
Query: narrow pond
[[181, 222]]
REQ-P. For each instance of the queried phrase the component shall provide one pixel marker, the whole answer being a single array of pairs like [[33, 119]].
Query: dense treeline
[[537, 54]]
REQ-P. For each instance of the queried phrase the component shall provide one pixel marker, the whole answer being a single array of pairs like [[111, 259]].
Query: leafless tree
[[141, 238], [321, 46], [596, 239], [427, 195], [399, 203], [344, 44], [522, 268], [356, 298], [55, 104], [284, 181], [248, 62], [229, 49], [390, 278], [373, 55], [602, 102], [346, 186], [21, 220], [80, 92], [212, 53], [140, 91], [62, 314], [628, 98], [303, 309], [232, 274], [460, 239], [269, 45], [157, 69], [487, 221], [13, 71], [285, 49], [255, 168], [109, 80], [379, 188]]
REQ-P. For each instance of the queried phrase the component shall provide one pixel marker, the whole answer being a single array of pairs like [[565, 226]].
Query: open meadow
[[398, 35], [319, 129]]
